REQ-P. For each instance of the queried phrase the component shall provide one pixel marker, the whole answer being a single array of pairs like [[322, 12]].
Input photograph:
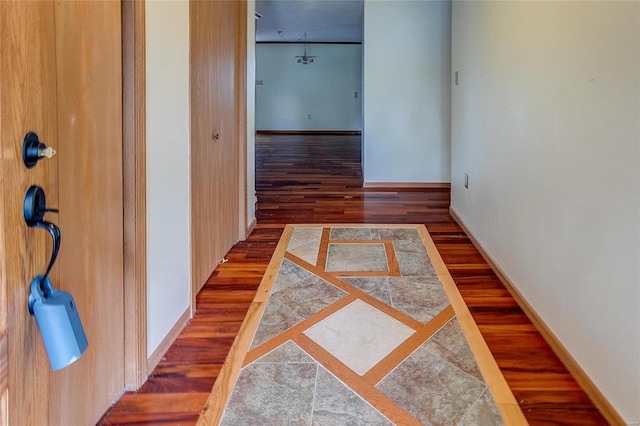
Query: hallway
[[317, 179]]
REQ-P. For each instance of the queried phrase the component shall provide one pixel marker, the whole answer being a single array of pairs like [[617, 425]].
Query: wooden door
[[61, 77], [216, 28]]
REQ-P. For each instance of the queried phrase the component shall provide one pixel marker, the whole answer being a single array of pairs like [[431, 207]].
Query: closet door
[[215, 133]]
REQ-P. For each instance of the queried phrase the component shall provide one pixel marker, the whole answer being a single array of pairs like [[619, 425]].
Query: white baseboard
[[166, 343], [425, 185], [590, 388], [251, 226]]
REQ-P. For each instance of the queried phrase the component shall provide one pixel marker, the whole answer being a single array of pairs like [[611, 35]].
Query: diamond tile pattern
[[353, 335], [296, 295], [305, 243], [435, 380]]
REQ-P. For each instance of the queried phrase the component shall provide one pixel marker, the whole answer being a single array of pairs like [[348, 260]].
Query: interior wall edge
[[250, 194], [163, 347], [167, 167]]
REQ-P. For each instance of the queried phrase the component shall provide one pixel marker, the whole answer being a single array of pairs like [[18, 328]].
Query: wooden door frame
[[134, 174], [134, 192], [241, 129]]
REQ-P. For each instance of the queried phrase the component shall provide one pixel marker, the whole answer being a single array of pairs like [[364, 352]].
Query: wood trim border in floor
[[240, 354]]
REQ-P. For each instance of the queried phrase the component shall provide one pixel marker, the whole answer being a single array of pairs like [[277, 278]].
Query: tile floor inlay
[[446, 392], [305, 243], [273, 394], [336, 404], [353, 335], [380, 344], [357, 257], [421, 298]]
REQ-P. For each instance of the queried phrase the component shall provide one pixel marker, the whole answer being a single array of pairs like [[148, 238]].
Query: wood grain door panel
[[88, 38], [28, 103], [60, 76], [214, 134]]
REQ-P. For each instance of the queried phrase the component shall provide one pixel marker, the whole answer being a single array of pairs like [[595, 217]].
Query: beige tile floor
[[353, 335], [358, 329]]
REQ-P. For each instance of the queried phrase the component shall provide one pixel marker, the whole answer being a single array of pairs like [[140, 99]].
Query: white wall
[[168, 261], [251, 113], [407, 112], [325, 88], [546, 122]]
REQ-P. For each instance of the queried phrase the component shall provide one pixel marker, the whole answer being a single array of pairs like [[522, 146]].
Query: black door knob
[[33, 150], [34, 209]]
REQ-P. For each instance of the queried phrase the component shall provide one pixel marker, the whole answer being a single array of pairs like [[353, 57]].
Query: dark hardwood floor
[[317, 179]]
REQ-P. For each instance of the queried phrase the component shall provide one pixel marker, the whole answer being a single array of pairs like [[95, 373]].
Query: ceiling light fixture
[[305, 59]]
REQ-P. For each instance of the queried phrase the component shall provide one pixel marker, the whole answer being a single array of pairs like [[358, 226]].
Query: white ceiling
[[322, 20]]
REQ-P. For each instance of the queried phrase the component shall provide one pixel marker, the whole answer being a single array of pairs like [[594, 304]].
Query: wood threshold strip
[[370, 394], [222, 388], [321, 262], [590, 388], [392, 260], [502, 395]]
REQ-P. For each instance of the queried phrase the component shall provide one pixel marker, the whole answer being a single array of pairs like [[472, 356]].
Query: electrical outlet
[[456, 78], [309, 116], [466, 180]]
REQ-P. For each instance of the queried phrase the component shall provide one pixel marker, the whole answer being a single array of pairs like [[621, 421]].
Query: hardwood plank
[[162, 402], [139, 418]]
